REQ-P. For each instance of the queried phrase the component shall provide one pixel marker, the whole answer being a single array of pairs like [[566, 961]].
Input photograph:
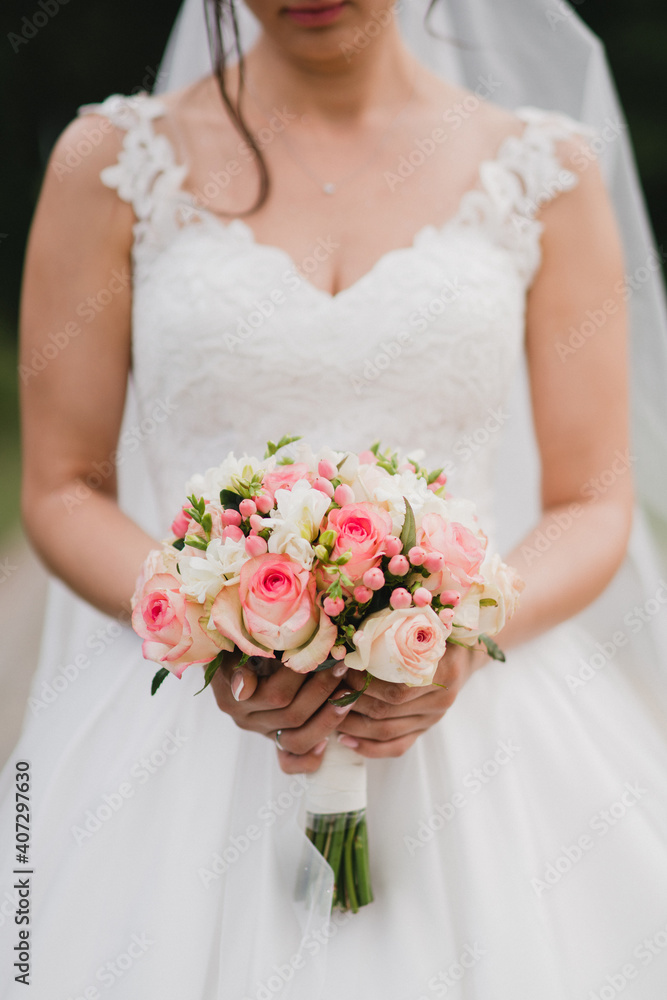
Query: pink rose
[[172, 627], [403, 646], [284, 477], [463, 551], [361, 529], [273, 608]]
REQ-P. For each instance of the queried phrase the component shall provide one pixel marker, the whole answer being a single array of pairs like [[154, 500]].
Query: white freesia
[[222, 477], [287, 540], [205, 575], [304, 453], [302, 508]]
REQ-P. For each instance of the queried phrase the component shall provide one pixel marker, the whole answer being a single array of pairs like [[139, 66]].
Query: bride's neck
[[340, 92]]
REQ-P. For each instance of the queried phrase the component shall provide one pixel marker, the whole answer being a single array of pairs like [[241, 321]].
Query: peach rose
[[173, 627], [403, 646], [361, 529], [463, 550], [273, 608], [283, 477]]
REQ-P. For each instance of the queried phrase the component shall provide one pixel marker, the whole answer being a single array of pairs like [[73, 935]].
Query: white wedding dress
[[519, 849]]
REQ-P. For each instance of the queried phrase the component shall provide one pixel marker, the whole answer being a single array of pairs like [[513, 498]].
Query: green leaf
[[488, 602], [409, 532], [207, 523], [349, 699], [178, 544], [211, 671], [244, 659], [228, 498], [492, 648], [196, 543], [272, 448], [434, 475], [331, 662], [158, 678], [285, 460]]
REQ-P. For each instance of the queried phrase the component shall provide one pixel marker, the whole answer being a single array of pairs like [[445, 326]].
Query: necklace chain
[[332, 187]]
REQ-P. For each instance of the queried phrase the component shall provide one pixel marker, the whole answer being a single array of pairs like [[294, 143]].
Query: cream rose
[[403, 646]]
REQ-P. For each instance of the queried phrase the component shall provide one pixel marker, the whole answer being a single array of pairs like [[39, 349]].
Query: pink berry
[[256, 522], [446, 616], [333, 606], [233, 532], [339, 652], [264, 503], [400, 599], [398, 565], [343, 495], [434, 562], [327, 469], [255, 545], [416, 555], [422, 597], [231, 517], [324, 486], [362, 594], [247, 507], [450, 597], [393, 546], [374, 579]]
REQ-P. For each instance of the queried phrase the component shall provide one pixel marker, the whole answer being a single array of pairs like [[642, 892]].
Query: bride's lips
[[315, 15]]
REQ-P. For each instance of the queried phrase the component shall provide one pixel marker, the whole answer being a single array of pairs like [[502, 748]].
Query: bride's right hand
[[295, 704]]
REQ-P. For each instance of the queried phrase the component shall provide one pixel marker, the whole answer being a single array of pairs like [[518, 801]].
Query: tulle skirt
[[518, 850]]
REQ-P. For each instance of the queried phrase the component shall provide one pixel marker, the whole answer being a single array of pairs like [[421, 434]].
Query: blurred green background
[[89, 50]]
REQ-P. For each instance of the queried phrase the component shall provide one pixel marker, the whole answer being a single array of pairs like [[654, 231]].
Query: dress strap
[[146, 174], [526, 174]]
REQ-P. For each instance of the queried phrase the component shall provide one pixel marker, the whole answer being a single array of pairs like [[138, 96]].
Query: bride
[[329, 238]]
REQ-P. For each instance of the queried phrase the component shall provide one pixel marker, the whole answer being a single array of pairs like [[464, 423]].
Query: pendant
[[329, 188]]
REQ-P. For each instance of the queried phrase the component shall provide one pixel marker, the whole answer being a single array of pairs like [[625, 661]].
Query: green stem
[[349, 870]]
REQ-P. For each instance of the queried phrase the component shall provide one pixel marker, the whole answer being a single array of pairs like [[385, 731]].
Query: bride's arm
[[580, 406], [74, 361]]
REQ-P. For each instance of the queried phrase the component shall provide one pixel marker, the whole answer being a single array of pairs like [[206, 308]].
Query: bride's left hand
[[388, 718]]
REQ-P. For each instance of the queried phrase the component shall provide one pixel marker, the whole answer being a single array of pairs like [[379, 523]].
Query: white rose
[[502, 586], [205, 575], [403, 646]]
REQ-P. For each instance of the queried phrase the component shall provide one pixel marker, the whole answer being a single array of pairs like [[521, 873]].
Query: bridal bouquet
[[314, 559]]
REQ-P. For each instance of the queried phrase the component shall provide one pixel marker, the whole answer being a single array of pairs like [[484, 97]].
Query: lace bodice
[[237, 346]]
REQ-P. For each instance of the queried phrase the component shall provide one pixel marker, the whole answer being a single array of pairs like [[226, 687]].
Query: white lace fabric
[[438, 325]]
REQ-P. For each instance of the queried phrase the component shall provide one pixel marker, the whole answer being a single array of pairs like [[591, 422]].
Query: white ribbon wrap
[[340, 784]]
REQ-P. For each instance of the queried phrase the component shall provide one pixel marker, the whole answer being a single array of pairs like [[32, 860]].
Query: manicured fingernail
[[320, 748], [237, 686], [348, 741], [339, 670]]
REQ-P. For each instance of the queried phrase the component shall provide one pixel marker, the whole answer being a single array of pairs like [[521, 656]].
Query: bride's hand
[[388, 718], [296, 704]]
